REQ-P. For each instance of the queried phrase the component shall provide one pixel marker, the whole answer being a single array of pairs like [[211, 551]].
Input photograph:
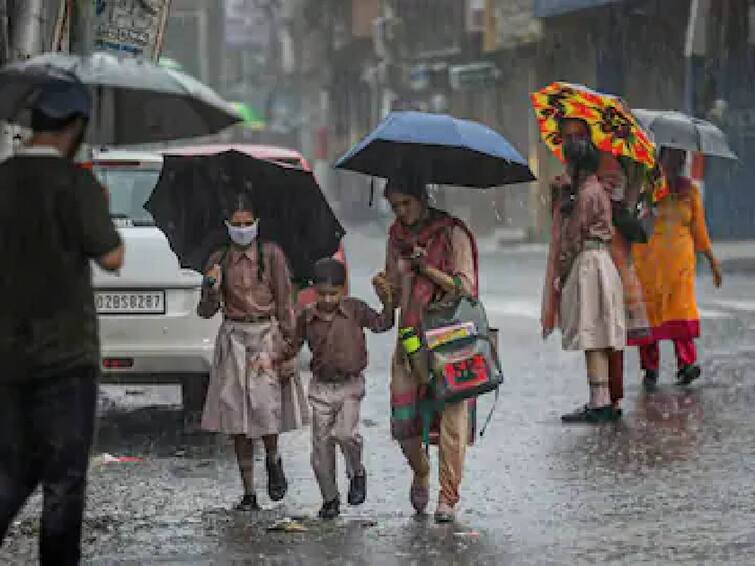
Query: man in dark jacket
[[53, 220]]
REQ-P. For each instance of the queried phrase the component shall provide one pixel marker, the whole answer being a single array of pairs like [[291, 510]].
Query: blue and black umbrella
[[440, 149]]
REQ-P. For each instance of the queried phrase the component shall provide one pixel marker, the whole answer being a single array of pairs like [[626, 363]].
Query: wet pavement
[[671, 483]]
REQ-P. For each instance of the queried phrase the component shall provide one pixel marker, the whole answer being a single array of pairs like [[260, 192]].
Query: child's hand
[[262, 363]]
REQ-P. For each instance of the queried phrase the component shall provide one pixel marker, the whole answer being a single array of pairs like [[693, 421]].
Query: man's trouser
[[46, 429], [335, 421]]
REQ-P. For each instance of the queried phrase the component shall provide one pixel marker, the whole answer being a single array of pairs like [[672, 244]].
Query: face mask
[[242, 235], [581, 153]]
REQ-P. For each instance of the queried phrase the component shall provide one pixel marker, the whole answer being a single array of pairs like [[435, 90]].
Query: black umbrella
[[135, 101], [196, 193]]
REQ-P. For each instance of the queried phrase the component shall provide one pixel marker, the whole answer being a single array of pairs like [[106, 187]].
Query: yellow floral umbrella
[[614, 128]]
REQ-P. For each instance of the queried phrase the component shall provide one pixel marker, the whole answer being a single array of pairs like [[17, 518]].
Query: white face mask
[[242, 235]]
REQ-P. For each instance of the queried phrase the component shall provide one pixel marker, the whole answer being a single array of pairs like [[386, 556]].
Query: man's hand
[[113, 260]]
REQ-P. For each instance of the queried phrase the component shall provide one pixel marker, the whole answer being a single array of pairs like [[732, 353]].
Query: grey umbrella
[[674, 129], [135, 101]]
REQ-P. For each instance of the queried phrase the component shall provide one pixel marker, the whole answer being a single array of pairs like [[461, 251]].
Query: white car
[[149, 329]]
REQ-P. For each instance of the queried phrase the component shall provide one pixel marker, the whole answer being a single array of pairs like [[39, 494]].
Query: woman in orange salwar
[[666, 268]]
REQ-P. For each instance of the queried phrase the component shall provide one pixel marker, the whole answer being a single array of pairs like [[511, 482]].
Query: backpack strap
[[223, 263], [427, 409], [260, 259], [492, 410]]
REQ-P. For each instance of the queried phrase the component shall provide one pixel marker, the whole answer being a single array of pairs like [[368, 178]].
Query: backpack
[[461, 354]]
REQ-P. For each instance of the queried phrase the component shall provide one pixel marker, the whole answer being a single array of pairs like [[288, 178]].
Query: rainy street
[[670, 483], [537, 198]]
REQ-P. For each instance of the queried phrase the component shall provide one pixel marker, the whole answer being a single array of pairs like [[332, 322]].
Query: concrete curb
[[737, 265]]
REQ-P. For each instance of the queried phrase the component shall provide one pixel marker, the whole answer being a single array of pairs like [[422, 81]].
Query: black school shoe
[[277, 486], [688, 374], [358, 489], [248, 503], [650, 380], [330, 509], [590, 415]]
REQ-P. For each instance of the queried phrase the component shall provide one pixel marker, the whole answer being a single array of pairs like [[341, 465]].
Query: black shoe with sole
[[330, 509], [277, 486], [358, 489], [688, 374], [650, 381], [248, 503], [578, 416], [587, 414]]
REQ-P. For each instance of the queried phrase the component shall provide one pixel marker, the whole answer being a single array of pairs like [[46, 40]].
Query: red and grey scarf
[[435, 238]]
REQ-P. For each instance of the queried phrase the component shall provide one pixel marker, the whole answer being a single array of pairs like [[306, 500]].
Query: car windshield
[[129, 190]]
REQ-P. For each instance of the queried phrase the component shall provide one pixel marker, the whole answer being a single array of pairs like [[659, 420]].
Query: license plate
[[130, 302]]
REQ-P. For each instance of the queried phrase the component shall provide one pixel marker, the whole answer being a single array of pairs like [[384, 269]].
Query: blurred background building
[[317, 75]]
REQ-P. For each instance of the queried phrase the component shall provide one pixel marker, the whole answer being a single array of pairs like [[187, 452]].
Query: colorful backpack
[[463, 357], [462, 353]]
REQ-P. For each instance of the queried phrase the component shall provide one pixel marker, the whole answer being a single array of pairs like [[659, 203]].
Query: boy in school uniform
[[333, 327]]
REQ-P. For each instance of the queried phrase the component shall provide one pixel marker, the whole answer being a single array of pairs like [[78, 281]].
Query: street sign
[[473, 75], [134, 27]]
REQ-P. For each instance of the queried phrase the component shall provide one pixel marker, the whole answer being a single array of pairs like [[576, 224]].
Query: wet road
[[671, 483]]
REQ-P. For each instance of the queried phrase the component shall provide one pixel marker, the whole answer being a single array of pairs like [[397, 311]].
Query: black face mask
[[581, 154]]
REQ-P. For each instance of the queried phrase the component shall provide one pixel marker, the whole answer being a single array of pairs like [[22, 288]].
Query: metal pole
[[4, 41], [26, 41], [694, 51], [82, 32], [161, 31], [27, 29], [6, 134]]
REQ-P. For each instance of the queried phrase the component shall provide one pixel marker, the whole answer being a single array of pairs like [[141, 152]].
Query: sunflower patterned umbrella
[[614, 128]]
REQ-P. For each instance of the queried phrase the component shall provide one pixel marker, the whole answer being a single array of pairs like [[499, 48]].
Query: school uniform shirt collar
[[314, 312], [238, 253]]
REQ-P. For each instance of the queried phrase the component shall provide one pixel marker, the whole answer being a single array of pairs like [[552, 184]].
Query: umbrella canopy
[[196, 193], [678, 130], [251, 119], [170, 63], [440, 149], [614, 129], [135, 101]]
